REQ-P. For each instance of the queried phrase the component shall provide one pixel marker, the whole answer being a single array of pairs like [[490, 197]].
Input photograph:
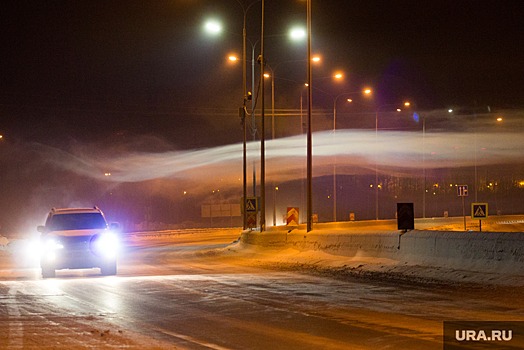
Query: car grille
[[76, 243]]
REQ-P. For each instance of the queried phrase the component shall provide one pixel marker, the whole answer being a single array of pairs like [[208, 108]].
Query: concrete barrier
[[493, 252]]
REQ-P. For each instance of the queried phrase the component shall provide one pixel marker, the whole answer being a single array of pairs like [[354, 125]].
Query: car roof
[[55, 211]]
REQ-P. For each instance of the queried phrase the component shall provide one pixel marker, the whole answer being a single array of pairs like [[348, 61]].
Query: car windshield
[[81, 221]]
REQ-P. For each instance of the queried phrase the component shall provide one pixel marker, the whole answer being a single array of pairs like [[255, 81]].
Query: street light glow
[[297, 34], [367, 91], [316, 59], [338, 75], [499, 119], [407, 104], [232, 58], [213, 27]]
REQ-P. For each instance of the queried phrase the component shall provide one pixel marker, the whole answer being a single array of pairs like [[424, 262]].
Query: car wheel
[[48, 271], [108, 268]]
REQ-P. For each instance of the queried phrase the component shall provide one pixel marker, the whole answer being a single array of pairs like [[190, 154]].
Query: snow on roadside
[[3, 242], [337, 266]]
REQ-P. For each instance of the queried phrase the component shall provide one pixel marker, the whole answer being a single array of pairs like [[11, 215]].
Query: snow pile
[[3, 242], [434, 256]]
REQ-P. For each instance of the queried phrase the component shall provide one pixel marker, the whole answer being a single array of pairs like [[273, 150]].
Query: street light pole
[[253, 121], [215, 28], [335, 161], [273, 131], [424, 166], [263, 131], [309, 126], [244, 129], [376, 164], [244, 112]]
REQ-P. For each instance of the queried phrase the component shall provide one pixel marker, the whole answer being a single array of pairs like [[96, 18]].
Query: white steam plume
[[354, 151]]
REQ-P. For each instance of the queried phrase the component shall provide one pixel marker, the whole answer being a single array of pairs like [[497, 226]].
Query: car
[[78, 238]]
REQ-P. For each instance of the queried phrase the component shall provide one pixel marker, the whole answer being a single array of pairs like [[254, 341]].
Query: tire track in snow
[[16, 327]]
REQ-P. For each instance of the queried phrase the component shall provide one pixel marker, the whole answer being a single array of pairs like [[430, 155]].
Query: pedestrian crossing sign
[[479, 211], [251, 204]]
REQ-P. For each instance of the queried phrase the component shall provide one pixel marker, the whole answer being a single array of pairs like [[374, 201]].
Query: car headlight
[[106, 245], [52, 245]]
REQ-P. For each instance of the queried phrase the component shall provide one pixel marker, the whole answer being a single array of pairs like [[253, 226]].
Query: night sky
[[87, 70], [100, 78]]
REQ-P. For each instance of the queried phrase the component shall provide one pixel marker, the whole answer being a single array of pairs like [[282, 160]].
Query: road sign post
[[251, 210], [462, 191], [479, 211]]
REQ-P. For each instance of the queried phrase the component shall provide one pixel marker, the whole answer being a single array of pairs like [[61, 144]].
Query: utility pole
[[309, 126], [262, 133]]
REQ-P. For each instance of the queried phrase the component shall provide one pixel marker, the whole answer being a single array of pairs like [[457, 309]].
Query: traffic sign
[[462, 190], [251, 219], [251, 204], [479, 211], [292, 216], [251, 212]]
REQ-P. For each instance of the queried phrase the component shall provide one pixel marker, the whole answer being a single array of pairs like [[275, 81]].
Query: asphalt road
[[184, 291]]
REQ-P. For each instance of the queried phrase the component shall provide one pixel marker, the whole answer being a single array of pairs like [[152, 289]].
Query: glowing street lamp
[[213, 27], [297, 34]]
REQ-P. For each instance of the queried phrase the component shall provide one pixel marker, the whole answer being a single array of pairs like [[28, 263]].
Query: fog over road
[[188, 290]]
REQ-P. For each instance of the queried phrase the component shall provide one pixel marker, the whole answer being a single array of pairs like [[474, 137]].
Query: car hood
[[76, 233]]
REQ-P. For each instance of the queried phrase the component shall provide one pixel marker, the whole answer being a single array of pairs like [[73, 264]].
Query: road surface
[[186, 290]]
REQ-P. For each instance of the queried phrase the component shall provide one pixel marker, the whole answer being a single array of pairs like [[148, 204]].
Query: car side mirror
[[40, 228], [114, 226]]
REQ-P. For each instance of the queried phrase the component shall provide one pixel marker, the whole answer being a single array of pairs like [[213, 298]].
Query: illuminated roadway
[[184, 291]]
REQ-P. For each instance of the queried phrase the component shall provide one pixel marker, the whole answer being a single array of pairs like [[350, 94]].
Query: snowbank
[[3, 242], [477, 257]]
